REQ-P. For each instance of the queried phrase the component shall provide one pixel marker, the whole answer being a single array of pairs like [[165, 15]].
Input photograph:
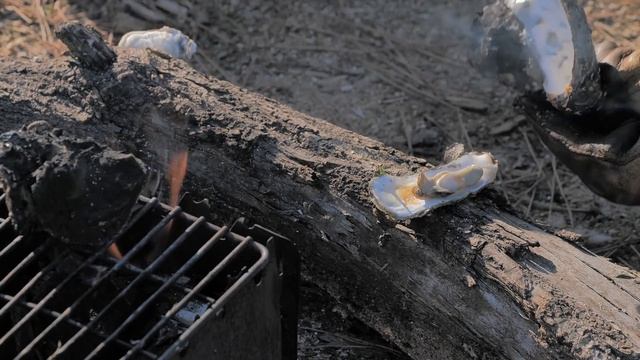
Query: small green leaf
[[380, 170]]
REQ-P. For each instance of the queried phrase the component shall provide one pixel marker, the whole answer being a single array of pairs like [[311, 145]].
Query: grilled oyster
[[406, 197]]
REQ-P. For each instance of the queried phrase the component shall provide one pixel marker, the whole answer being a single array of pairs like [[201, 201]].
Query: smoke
[[502, 49]]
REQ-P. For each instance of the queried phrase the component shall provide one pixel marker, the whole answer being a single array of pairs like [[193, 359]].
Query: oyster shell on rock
[[166, 40], [406, 197]]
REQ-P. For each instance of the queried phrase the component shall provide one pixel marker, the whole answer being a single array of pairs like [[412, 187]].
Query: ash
[[76, 190]]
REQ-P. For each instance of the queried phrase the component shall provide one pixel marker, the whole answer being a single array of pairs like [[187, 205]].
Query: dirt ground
[[400, 72]]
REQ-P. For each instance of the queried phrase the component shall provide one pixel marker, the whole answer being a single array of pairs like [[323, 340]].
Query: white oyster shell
[[166, 40], [449, 181], [560, 37], [402, 198], [549, 33]]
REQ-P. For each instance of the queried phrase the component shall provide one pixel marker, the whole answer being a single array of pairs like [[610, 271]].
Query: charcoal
[[76, 190]]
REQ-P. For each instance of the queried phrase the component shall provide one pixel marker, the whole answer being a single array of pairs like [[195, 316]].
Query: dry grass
[[26, 27]]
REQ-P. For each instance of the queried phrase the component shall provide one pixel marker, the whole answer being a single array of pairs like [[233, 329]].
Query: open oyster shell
[[166, 40], [556, 39], [406, 197]]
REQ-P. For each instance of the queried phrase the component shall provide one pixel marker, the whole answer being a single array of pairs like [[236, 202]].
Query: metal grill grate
[[55, 303]]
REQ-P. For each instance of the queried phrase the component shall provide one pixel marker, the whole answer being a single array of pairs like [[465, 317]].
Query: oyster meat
[[406, 197], [166, 40]]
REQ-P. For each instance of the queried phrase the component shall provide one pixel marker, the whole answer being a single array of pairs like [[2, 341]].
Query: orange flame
[[114, 251], [176, 172]]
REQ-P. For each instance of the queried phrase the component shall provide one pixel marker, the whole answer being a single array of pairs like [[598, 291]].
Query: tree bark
[[470, 280]]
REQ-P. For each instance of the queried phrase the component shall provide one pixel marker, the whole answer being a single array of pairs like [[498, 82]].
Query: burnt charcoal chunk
[[86, 45], [76, 190]]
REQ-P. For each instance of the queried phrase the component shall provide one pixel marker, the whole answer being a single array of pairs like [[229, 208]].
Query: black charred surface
[[74, 189], [503, 51], [86, 45]]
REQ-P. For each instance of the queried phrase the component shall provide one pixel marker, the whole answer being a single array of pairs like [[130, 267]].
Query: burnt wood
[[86, 45], [43, 169], [469, 281]]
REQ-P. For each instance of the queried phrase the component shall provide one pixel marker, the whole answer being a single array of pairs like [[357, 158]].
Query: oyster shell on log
[[406, 197], [166, 40]]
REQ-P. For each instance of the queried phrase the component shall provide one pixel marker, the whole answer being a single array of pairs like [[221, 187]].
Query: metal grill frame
[[215, 305]]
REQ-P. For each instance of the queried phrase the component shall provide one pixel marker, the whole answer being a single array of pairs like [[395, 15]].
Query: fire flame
[[114, 251], [175, 173]]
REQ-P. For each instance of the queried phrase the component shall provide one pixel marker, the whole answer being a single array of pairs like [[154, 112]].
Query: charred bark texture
[[73, 179], [469, 281], [86, 45]]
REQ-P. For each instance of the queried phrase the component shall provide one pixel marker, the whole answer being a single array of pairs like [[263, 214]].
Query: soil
[[402, 74]]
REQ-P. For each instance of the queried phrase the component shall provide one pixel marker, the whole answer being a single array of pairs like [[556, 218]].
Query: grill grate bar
[[161, 279], [176, 307], [52, 313], [23, 263], [28, 317], [90, 260], [5, 222], [10, 245], [30, 284], [139, 278], [81, 328], [186, 266], [253, 270]]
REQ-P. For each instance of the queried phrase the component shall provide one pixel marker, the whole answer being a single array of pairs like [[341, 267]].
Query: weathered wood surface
[[469, 281]]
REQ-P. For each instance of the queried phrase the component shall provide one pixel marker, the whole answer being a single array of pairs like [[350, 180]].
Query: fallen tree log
[[469, 281]]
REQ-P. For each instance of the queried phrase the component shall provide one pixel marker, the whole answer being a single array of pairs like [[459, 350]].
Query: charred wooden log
[[74, 189], [469, 281], [86, 45]]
